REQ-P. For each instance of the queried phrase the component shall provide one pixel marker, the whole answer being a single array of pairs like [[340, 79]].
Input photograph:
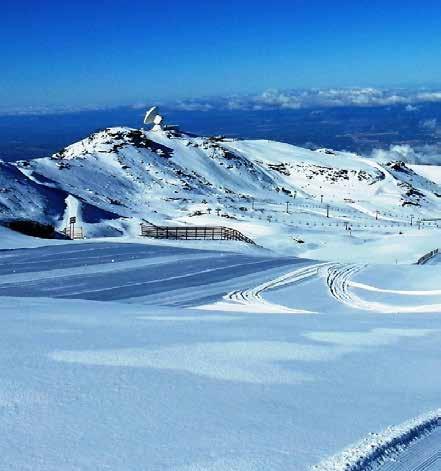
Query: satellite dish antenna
[[153, 117], [158, 119], [150, 115]]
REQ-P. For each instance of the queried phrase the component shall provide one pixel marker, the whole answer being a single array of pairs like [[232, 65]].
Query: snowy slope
[[20, 195], [107, 365], [431, 172]]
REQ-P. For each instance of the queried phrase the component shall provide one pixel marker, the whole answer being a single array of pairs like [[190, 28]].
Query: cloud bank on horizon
[[271, 99], [417, 136], [426, 154], [274, 99]]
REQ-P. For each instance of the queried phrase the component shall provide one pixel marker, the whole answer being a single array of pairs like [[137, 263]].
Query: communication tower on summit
[[153, 117]]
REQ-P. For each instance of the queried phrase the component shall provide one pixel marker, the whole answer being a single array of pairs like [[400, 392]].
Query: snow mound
[[375, 449]]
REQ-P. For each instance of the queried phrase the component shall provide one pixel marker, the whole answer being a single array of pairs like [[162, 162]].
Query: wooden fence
[[425, 258], [193, 233], [76, 233]]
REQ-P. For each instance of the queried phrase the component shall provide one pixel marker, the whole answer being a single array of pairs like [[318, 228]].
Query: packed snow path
[[411, 446], [132, 272], [210, 279], [424, 455]]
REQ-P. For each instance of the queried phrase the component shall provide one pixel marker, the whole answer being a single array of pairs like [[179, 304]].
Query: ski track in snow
[[339, 281], [251, 300]]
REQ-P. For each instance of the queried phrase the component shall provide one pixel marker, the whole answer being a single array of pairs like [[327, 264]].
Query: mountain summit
[[120, 176]]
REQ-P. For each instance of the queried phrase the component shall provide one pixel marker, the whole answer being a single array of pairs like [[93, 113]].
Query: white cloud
[[429, 154], [49, 110], [429, 96], [430, 124], [186, 105], [411, 108], [273, 99], [277, 99], [315, 98]]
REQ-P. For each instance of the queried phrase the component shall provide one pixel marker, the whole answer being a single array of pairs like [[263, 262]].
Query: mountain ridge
[[120, 176]]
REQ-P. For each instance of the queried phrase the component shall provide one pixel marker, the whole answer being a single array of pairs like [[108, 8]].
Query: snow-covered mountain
[[116, 177], [181, 355]]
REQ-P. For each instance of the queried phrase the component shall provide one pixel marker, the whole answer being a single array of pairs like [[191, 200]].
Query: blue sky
[[78, 53]]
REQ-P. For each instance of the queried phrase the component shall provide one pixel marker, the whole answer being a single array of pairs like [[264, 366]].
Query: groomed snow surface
[[393, 448], [141, 356]]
